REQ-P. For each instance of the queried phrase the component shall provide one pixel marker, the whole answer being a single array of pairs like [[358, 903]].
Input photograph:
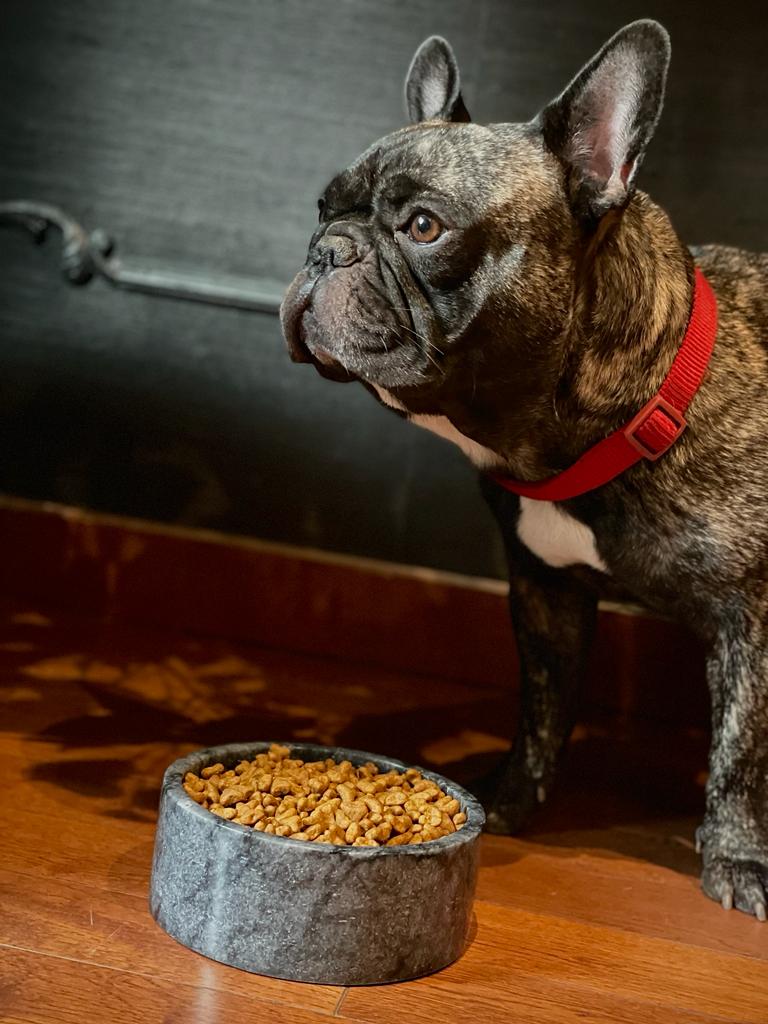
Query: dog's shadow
[[636, 793]]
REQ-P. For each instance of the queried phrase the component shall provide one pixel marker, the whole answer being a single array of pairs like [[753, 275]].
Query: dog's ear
[[432, 85], [600, 126]]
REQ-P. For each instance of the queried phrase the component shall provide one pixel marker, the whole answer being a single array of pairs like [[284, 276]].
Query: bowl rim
[[172, 786]]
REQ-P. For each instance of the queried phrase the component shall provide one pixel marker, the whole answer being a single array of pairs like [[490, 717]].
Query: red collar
[[655, 428]]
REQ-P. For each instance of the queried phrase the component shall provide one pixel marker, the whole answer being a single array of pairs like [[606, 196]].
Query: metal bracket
[[86, 256]]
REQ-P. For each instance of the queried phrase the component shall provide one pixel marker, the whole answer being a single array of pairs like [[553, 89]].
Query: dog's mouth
[[325, 363], [300, 330]]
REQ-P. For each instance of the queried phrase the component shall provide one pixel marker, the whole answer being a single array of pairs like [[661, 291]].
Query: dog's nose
[[334, 251], [342, 244]]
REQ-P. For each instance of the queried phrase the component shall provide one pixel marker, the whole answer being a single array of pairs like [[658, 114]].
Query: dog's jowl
[[508, 287]]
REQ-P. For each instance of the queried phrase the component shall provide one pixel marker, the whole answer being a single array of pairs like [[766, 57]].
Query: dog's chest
[[481, 456], [550, 533], [555, 537]]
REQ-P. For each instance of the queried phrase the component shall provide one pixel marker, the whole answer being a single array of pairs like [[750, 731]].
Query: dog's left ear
[[432, 90], [600, 126]]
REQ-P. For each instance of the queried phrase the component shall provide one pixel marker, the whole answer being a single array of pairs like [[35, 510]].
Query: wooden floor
[[595, 915]]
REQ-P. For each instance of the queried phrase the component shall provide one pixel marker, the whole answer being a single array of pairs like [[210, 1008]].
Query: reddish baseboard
[[397, 617]]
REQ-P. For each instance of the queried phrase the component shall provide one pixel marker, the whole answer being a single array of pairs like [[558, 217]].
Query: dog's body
[[507, 288]]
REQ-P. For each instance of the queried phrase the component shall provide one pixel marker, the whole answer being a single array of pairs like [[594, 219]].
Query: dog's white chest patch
[[555, 537], [481, 456]]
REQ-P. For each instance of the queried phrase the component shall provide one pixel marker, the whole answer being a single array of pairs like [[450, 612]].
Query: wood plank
[[599, 966], [39, 989], [524, 1000], [79, 851], [116, 931], [95, 838], [593, 885]]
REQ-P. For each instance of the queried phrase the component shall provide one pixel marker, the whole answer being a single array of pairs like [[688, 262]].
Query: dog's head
[[441, 272]]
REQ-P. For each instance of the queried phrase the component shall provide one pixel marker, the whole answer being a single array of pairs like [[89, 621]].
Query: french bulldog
[[508, 287]]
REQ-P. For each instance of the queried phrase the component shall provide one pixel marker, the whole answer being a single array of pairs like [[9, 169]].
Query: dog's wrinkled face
[[441, 273], [423, 243]]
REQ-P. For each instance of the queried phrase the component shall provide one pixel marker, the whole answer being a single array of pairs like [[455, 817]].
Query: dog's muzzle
[[340, 245]]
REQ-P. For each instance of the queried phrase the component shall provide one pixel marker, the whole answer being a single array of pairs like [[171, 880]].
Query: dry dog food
[[326, 801]]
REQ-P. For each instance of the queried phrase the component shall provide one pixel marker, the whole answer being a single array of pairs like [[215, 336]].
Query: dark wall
[[199, 132]]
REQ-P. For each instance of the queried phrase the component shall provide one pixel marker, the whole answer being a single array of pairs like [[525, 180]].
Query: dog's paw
[[737, 883]]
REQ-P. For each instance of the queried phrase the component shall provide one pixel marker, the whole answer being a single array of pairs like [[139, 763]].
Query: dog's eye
[[424, 228]]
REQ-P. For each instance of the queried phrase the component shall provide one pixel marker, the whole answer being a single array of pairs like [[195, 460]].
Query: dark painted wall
[[199, 132]]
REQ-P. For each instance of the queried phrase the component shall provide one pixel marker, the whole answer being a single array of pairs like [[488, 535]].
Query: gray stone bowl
[[334, 915]]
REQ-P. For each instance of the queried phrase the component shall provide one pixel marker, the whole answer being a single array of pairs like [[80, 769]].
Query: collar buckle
[[653, 437]]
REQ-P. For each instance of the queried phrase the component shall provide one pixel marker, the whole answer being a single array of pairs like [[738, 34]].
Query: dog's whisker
[[425, 339], [434, 362], [427, 343]]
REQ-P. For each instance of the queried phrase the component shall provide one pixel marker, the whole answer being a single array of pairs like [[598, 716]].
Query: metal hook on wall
[[89, 255]]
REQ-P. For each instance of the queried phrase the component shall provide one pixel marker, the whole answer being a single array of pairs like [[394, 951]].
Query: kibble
[[327, 801]]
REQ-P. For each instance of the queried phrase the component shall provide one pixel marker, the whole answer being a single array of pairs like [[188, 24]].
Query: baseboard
[[394, 616]]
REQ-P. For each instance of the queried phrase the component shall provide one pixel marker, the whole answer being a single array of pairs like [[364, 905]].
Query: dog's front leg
[[734, 836], [553, 614]]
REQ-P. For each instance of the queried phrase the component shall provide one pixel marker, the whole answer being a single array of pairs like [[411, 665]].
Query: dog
[[509, 288]]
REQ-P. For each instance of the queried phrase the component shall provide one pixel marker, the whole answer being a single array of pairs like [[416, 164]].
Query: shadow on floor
[[111, 716]]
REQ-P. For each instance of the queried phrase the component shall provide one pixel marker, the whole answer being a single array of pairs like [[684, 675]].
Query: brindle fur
[[546, 317]]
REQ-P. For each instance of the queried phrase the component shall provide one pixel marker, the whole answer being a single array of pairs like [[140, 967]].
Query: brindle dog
[[509, 288]]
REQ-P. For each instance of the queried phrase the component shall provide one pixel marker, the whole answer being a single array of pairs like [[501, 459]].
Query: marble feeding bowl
[[305, 911]]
